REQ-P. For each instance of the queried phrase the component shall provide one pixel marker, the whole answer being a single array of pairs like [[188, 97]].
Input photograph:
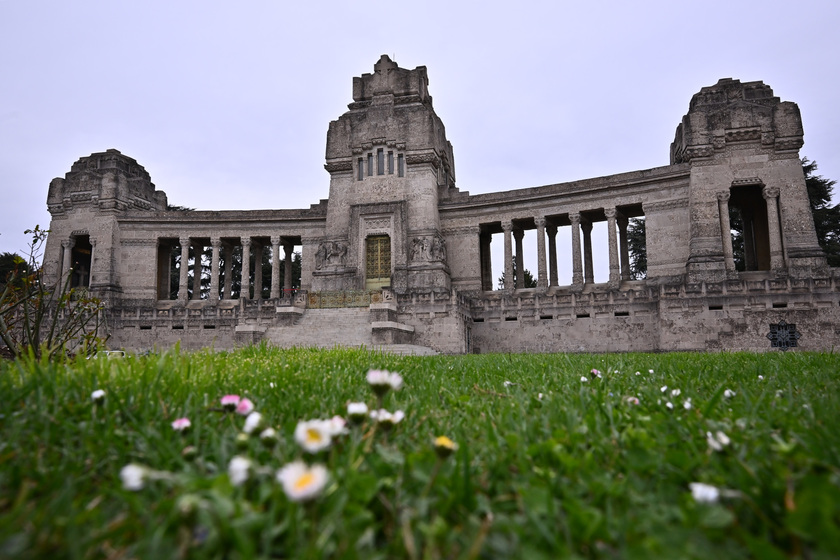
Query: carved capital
[[215, 242], [609, 213], [507, 226], [69, 243], [246, 241], [770, 192], [723, 196], [540, 221], [275, 240], [184, 241], [574, 217]]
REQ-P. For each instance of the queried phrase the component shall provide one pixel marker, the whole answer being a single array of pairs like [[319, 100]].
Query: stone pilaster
[[507, 228], [542, 277], [183, 288], [67, 263], [589, 274], [777, 259], [216, 244], [245, 283], [577, 263], [613, 247], [275, 267], [289, 251], [552, 255], [725, 231]]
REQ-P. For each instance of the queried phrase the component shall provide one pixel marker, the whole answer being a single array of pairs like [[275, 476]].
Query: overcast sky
[[226, 104]]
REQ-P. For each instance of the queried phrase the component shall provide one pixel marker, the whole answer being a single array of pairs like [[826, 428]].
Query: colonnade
[[547, 271], [226, 250]]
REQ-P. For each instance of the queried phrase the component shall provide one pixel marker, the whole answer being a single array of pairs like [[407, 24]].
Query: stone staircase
[[325, 328], [348, 326]]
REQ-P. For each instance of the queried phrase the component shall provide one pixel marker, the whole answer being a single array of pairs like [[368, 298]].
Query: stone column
[[577, 266], [258, 258], [245, 283], [726, 230], [589, 274], [623, 249], [613, 247], [486, 263], [185, 263], [771, 196], [228, 269], [289, 251], [216, 244], [275, 267], [67, 263], [507, 228], [552, 255], [520, 260], [542, 277]]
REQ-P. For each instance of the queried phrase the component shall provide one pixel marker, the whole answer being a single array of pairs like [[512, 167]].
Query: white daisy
[[301, 482], [238, 470], [382, 381], [253, 422], [314, 435], [133, 476], [704, 493], [97, 396]]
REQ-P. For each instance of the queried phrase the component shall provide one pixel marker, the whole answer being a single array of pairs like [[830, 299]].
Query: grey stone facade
[[398, 255]]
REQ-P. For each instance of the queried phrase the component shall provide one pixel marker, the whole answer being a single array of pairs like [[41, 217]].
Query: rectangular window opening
[[582, 315], [781, 305], [715, 308], [177, 327], [360, 170], [390, 163], [145, 327], [510, 318], [370, 165], [622, 313], [400, 165], [478, 320], [380, 161], [547, 317], [209, 326]]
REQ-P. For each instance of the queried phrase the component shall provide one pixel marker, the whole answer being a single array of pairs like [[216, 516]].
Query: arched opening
[[748, 222], [377, 262], [80, 261]]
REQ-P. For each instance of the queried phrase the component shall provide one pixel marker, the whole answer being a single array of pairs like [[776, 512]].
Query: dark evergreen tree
[[528, 281], [826, 217], [637, 247]]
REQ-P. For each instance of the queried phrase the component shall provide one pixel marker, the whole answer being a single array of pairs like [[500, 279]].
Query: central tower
[[389, 164]]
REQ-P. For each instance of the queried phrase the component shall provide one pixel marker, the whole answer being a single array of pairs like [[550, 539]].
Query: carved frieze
[[428, 248], [331, 254]]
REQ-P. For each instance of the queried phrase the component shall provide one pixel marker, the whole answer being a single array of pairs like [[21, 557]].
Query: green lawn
[[547, 465]]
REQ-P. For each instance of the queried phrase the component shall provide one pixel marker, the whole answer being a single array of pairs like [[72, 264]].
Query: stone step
[[325, 328], [406, 349]]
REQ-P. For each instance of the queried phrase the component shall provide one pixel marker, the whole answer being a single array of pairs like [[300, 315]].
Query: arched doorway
[[377, 262]]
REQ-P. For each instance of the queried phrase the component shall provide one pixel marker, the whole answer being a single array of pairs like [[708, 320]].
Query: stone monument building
[[398, 255]]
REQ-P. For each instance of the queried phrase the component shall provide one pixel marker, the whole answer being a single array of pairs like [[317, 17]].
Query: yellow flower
[[445, 447]]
